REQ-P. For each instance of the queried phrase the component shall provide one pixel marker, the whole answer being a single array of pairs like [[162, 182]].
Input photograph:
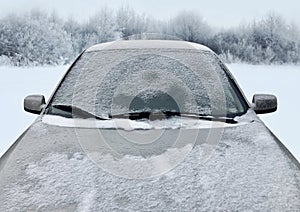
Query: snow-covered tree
[[130, 23], [36, 39], [269, 40], [74, 30], [189, 26], [103, 22]]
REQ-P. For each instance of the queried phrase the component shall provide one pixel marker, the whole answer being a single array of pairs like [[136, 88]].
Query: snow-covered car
[[149, 126]]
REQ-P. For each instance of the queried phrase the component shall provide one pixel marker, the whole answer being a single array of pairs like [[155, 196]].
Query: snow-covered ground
[[283, 81]]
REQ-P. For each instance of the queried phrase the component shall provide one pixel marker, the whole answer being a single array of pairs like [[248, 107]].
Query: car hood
[[71, 168]]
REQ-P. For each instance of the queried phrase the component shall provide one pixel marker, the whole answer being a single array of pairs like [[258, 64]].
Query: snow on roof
[[148, 44]]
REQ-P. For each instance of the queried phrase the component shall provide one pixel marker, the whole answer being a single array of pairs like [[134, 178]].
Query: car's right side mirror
[[264, 103]]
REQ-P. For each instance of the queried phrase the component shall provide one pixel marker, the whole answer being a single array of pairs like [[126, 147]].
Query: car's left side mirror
[[264, 103], [34, 103]]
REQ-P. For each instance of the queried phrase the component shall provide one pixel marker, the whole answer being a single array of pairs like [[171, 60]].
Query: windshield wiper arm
[[71, 111], [154, 115], [139, 115], [209, 117]]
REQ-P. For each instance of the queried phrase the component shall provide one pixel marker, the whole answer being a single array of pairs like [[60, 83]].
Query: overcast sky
[[216, 12]]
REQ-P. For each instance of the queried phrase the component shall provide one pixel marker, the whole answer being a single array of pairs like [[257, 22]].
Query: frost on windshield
[[122, 81]]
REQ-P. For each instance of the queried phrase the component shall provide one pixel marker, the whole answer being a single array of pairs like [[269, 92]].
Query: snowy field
[[283, 81]]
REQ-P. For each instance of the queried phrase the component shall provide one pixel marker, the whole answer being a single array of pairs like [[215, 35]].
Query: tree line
[[40, 38]]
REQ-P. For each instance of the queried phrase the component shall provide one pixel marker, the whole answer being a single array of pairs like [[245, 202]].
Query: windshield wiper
[[209, 117], [141, 115], [168, 114], [71, 111]]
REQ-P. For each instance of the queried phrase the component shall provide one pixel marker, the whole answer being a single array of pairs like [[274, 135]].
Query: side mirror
[[264, 103], [34, 103]]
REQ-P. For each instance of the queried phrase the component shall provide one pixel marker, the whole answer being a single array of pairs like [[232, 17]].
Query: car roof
[[148, 44]]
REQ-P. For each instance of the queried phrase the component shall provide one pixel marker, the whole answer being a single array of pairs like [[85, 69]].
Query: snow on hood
[[248, 171]]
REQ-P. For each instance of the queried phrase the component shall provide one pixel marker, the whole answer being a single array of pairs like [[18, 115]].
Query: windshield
[[114, 82]]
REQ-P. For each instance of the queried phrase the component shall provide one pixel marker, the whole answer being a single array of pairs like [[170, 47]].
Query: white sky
[[218, 13]]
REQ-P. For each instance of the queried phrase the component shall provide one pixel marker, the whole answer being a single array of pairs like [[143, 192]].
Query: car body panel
[[48, 169]]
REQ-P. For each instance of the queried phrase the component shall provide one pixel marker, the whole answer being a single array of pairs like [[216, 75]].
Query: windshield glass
[[148, 80]]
